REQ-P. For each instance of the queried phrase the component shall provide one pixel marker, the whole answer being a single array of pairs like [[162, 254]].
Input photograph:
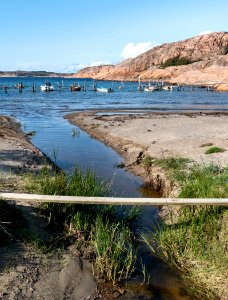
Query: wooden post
[[20, 87], [33, 87], [84, 86]]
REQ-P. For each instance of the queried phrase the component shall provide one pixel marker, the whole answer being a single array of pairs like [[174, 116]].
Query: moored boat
[[76, 88], [105, 90], [47, 87], [149, 88], [167, 88]]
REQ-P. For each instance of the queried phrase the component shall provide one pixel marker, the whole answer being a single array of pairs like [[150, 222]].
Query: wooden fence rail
[[113, 200]]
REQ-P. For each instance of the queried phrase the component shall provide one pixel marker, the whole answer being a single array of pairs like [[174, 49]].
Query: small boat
[[75, 88], [167, 88], [149, 88], [104, 90], [47, 87]]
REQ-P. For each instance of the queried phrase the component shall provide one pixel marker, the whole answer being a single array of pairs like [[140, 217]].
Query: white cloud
[[72, 68], [99, 63], [132, 50], [76, 66], [205, 32]]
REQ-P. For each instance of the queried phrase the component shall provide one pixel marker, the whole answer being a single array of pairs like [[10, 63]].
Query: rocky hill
[[199, 60]]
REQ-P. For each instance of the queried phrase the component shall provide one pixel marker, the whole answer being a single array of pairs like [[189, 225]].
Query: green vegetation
[[196, 247], [205, 182], [98, 225], [193, 239], [195, 181], [115, 252], [174, 166], [214, 150], [175, 61]]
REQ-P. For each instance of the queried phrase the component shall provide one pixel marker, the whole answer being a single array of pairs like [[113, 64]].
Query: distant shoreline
[[33, 74]]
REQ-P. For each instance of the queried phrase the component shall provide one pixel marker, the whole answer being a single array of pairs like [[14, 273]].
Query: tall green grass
[[196, 247], [100, 225], [115, 252], [195, 180], [205, 182], [194, 242]]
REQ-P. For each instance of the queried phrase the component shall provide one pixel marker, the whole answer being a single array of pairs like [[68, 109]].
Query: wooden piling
[[33, 87]]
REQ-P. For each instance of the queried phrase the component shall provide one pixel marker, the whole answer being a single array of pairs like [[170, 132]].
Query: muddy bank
[[158, 135], [25, 272]]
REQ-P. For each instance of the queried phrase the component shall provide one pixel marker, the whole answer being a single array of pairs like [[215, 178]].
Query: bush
[[175, 61]]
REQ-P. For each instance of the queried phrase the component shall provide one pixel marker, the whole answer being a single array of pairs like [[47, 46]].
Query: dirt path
[[25, 272]]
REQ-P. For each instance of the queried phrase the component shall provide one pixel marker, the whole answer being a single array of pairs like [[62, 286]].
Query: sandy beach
[[158, 135], [25, 272]]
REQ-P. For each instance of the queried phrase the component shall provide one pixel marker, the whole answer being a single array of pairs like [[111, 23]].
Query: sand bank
[[158, 135]]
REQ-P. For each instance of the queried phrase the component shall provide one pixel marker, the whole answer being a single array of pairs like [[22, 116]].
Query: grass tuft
[[99, 225], [214, 150], [115, 253], [194, 242], [205, 182], [196, 247]]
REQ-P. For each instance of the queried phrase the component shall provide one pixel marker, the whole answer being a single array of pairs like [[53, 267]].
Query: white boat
[[149, 88], [104, 90], [47, 87], [167, 88]]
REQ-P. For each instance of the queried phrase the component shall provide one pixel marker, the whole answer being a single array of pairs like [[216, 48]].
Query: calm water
[[43, 112]]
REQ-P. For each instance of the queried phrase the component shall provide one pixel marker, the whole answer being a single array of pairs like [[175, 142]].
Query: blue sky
[[56, 35]]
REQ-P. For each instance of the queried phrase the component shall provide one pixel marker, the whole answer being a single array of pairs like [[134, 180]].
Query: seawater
[[43, 113]]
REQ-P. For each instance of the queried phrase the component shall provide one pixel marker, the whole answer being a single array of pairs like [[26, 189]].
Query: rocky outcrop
[[207, 56], [222, 87]]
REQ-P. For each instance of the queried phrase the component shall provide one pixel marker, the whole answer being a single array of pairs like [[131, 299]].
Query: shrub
[[175, 61]]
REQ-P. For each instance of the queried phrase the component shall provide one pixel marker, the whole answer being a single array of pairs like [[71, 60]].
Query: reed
[[115, 252], [194, 239], [105, 227], [196, 247]]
